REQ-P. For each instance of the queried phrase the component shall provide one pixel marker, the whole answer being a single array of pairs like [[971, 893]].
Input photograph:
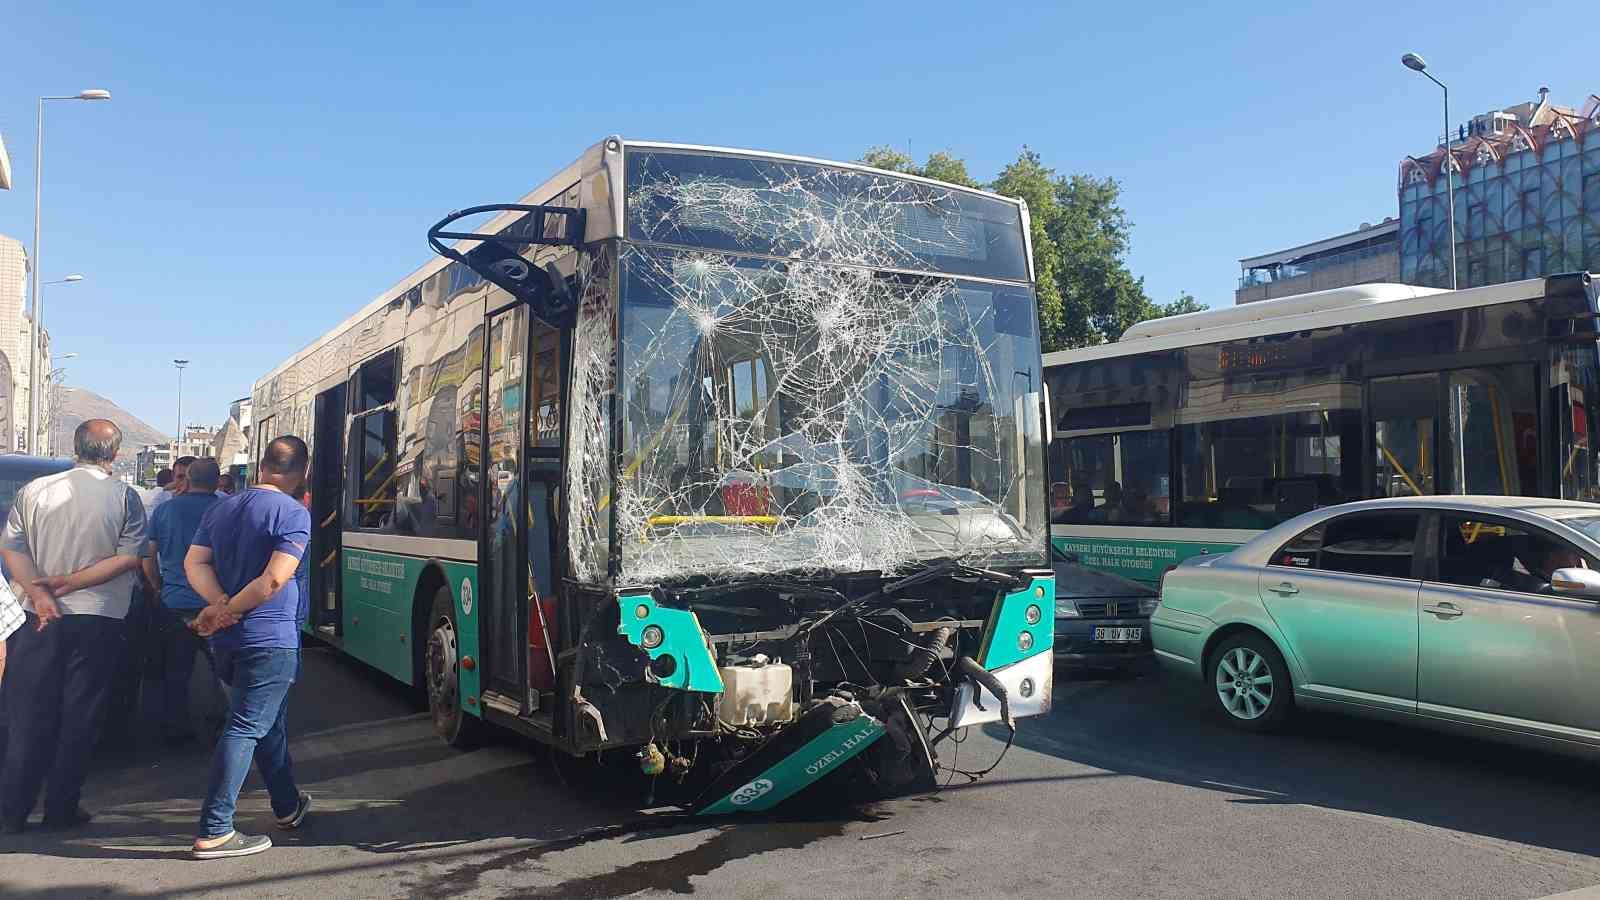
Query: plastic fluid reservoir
[[757, 695]]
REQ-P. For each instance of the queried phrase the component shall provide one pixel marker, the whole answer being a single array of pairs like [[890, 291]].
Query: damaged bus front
[[796, 519]]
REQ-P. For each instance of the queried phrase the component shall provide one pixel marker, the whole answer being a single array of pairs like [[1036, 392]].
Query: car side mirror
[[1576, 582]]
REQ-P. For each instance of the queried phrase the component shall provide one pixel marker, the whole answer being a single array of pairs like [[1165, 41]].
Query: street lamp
[[180, 363], [1416, 64], [36, 414], [35, 306], [55, 384]]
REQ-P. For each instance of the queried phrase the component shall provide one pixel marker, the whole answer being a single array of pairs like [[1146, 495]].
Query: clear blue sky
[[261, 174]]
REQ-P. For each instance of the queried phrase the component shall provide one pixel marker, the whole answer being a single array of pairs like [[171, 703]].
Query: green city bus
[[1192, 434], [729, 460]]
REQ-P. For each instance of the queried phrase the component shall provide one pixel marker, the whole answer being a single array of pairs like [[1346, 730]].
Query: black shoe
[[296, 818], [77, 819]]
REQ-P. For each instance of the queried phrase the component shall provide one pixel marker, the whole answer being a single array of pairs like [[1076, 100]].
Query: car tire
[[1249, 684], [441, 671]]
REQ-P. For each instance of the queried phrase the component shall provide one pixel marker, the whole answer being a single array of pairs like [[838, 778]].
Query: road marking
[[1589, 893]]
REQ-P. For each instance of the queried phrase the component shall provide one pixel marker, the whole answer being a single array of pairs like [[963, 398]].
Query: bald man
[[73, 542]]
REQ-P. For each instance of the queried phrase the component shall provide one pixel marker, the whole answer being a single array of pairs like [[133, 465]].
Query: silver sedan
[[1480, 614]]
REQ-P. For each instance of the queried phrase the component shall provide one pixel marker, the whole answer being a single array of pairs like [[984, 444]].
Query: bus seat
[[1291, 498]]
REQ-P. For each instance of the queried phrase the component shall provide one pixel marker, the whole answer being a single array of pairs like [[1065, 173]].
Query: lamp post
[[55, 387], [1416, 64], [176, 449], [35, 306], [39, 416]]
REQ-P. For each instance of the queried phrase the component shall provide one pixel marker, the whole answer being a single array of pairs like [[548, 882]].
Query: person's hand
[[212, 619], [55, 584], [45, 607]]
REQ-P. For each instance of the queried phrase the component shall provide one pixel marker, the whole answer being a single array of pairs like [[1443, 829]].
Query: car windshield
[[785, 416]]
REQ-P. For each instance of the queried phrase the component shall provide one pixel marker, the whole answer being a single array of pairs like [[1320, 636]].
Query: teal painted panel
[[1002, 644], [378, 637], [380, 593], [1138, 559], [387, 581], [681, 637], [816, 758], [463, 581]]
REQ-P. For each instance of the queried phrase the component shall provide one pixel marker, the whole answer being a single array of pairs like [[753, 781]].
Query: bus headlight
[[1025, 641], [1033, 614], [652, 637]]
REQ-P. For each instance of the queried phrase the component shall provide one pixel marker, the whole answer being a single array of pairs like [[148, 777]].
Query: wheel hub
[[442, 666], [1243, 688]]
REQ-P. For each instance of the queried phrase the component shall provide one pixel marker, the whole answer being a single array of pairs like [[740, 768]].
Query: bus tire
[[441, 671]]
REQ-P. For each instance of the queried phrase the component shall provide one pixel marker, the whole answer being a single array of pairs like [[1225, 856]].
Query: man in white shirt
[[159, 494], [73, 542]]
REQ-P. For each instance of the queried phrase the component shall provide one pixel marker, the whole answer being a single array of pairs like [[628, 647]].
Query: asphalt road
[[1129, 789]]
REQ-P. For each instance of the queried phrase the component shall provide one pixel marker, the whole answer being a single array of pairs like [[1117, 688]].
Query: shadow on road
[[386, 788], [1159, 728]]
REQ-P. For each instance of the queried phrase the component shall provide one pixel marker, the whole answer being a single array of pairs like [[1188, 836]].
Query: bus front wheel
[[443, 668]]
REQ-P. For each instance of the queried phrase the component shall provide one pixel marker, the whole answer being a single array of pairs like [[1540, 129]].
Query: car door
[[1344, 595], [1494, 648]]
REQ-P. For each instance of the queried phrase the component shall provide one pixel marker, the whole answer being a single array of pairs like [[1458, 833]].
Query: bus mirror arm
[[498, 257]]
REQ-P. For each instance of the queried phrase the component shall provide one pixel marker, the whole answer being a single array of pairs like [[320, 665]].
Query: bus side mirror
[[544, 290], [1583, 583], [498, 256]]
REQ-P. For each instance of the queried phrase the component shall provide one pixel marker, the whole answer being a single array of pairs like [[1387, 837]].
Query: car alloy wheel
[[1244, 683]]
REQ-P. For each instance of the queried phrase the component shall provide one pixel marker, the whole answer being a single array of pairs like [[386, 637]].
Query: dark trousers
[[55, 690], [175, 646], [137, 660]]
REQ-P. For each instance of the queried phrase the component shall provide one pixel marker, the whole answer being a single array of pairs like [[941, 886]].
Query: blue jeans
[[259, 681]]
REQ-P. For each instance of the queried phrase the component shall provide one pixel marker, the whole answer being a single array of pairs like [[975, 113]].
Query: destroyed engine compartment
[[726, 679]]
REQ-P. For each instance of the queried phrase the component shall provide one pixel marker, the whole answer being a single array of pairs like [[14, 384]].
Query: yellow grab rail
[[769, 521], [1401, 469]]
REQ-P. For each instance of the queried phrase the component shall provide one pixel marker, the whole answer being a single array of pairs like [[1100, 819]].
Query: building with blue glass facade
[[1527, 197]]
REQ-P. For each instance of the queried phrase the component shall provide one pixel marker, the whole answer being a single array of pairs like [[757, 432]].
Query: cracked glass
[[821, 369]]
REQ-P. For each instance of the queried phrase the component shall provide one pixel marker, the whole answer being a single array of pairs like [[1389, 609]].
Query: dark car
[[1101, 619]]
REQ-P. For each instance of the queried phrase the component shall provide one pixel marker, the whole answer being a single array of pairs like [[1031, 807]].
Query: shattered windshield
[[795, 416], [788, 406], [821, 213]]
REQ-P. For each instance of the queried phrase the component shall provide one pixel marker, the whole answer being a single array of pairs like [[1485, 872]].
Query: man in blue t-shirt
[[172, 529], [242, 563]]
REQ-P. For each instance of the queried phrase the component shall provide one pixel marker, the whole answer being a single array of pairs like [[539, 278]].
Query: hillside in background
[[78, 404]]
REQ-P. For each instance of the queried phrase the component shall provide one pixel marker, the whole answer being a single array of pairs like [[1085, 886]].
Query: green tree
[[1080, 236], [940, 166], [1028, 180]]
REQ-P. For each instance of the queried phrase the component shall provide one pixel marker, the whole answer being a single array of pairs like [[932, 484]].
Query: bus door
[[541, 517], [503, 616], [327, 499], [1404, 412], [1462, 431]]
